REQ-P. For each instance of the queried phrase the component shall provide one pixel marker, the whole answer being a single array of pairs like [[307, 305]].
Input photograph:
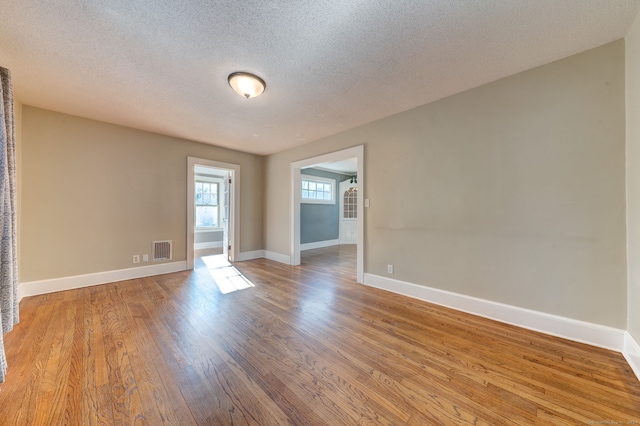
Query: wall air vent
[[161, 250]]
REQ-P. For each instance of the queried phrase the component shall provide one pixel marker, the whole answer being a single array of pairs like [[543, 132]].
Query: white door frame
[[296, 166], [234, 205]]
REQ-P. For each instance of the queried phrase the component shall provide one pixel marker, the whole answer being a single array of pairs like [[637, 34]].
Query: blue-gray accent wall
[[319, 222]]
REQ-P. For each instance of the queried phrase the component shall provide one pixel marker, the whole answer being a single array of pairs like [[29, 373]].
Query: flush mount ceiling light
[[247, 85]]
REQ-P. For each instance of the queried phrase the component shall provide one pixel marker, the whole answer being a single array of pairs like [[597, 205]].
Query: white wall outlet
[[366, 202], [136, 258], [390, 269], [145, 257]]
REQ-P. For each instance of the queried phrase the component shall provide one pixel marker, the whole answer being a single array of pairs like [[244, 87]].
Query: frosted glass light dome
[[247, 85]]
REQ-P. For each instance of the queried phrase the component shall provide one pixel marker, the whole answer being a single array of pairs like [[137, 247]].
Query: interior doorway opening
[[321, 221], [212, 209]]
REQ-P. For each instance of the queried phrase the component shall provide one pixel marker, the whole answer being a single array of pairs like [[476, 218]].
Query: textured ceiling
[[330, 65], [349, 166]]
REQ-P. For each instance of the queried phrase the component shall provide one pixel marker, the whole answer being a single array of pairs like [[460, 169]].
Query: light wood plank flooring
[[304, 346]]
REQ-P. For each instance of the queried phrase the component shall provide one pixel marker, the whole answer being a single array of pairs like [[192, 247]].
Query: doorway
[[296, 198], [212, 207]]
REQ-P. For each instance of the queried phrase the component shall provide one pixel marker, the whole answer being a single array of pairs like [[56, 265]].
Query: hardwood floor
[[304, 346]]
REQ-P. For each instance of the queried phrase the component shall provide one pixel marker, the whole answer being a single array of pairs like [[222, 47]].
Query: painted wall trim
[[33, 288], [555, 325], [250, 255], [319, 244], [278, 257], [631, 353], [212, 244]]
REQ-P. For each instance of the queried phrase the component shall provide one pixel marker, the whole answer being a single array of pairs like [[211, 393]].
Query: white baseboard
[[631, 353], [282, 258], [258, 254], [319, 244], [568, 328], [33, 288], [250, 255], [212, 244]]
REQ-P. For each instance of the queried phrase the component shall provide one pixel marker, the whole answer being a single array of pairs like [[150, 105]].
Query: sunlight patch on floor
[[226, 276]]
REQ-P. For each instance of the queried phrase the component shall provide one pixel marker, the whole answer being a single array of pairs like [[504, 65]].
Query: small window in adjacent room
[[207, 211], [318, 190]]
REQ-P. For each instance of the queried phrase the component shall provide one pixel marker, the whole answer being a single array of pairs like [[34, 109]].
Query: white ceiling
[[348, 167], [330, 65]]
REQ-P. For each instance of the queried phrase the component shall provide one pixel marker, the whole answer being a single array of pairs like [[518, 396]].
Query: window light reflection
[[226, 276]]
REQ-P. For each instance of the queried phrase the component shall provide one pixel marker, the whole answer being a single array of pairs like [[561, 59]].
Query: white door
[[348, 212], [224, 216]]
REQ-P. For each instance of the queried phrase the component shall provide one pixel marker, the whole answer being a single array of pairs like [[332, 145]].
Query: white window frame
[[316, 179], [219, 182]]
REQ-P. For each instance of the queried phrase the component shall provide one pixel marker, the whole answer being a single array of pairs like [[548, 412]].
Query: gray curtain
[[8, 245]]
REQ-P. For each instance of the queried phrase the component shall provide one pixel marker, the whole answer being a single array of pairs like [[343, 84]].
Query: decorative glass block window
[[318, 190], [350, 199], [207, 211]]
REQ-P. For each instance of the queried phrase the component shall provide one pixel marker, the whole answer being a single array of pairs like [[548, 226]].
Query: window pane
[[214, 194], [206, 193], [206, 216], [317, 190]]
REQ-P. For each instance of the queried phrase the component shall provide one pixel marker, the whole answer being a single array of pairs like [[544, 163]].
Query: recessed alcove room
[[305, 213]]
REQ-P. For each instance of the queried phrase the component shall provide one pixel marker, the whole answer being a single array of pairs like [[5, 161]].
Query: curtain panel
[[8, 244]]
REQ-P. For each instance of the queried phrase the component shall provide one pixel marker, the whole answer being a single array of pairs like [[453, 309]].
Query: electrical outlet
[[366, 202], [136, 258], [145, 257], [390, 269]]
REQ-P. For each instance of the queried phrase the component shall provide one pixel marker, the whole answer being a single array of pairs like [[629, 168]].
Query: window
[[351, 203], [207, 210], [318, 190]]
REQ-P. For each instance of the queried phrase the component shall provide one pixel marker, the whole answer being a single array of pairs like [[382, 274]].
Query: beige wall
[[94, 194], [632, 43], [511, 192]]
